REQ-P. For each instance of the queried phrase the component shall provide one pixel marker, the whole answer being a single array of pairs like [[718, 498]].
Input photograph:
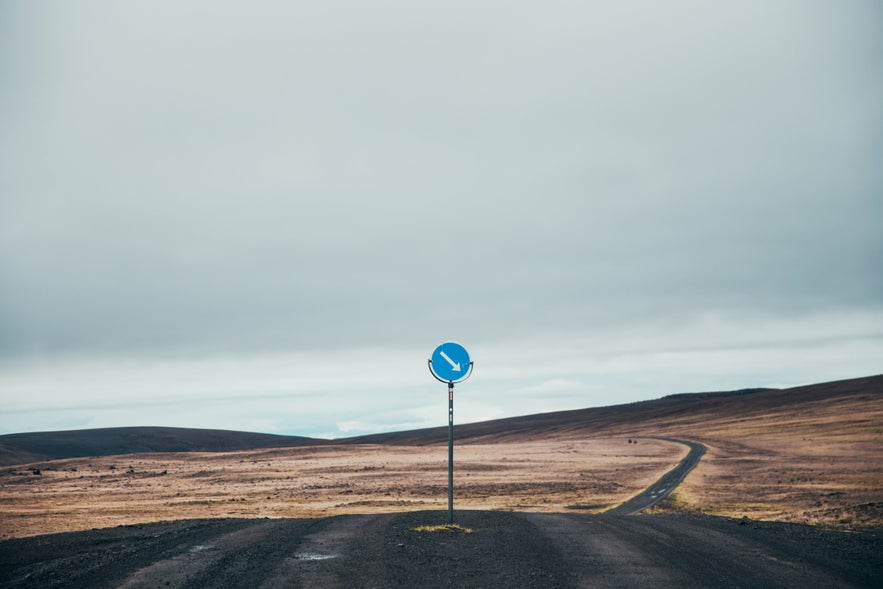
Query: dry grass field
[[84, 493], [810, 454], [819, 464]]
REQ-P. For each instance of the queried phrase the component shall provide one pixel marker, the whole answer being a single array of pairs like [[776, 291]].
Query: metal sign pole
[[450, 363], [450, 452]]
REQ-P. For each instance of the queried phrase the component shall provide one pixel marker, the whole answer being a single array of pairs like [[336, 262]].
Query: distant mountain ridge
[[657, 414], [625, 419], [718, 394], [39, 446]]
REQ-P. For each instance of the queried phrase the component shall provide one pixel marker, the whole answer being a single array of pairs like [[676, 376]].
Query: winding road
[[505, 549], [666, 483]]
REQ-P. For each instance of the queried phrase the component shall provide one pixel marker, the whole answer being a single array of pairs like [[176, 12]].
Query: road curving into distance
[[504, 549], [666, 483]]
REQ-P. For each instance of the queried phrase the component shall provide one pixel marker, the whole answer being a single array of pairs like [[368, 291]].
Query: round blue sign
[[450, 362]]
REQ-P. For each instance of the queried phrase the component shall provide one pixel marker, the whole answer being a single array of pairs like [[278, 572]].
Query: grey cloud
[[186, 178]]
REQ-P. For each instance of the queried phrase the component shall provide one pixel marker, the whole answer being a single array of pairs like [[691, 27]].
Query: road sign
[[450, 362]]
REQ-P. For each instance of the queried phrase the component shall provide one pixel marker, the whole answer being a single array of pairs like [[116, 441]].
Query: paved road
[[666, 484]]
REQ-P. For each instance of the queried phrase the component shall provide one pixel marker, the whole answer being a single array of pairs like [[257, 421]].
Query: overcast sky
[[265, 215]]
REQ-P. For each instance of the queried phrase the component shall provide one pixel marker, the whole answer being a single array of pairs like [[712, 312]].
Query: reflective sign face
[[450, 362]]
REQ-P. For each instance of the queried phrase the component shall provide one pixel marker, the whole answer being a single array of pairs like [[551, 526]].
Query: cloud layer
[[194, 186]]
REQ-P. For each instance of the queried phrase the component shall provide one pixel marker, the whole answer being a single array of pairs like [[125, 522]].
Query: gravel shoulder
[[505, 549]]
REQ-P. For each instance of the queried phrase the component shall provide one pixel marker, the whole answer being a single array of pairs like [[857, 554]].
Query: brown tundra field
[[810, 454]]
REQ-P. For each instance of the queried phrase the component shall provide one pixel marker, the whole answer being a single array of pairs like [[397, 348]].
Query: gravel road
[[505, 550]]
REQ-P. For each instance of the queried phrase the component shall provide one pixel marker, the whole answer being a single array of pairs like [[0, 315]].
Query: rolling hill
[[808, 454], [673, 414], [38, 446], [677, 411]]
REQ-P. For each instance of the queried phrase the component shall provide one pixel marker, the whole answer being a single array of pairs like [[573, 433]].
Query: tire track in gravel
[[693, 552], [193, 562], [267, 554], [328, 556], [506, 549], [103, 557]]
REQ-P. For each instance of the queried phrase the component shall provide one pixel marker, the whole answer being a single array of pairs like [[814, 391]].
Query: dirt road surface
[[503, 549], [506, 549]]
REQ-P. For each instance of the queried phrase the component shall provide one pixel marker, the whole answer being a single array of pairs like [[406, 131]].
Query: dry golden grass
[[820, 465], [553, 475], [811, 455]]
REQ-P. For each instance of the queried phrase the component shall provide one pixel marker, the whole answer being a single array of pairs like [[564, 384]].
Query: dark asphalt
[[666, 483]]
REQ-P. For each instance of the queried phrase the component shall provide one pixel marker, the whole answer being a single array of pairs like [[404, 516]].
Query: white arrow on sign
[[456, 366]]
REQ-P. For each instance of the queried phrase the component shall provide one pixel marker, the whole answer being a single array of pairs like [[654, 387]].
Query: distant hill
[[659, 415], [38, 446], [682, 412]]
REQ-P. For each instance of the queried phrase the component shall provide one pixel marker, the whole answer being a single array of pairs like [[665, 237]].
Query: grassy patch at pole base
[[450, 528]]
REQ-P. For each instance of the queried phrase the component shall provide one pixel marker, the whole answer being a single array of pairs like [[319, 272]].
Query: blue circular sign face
[[450, 362]]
